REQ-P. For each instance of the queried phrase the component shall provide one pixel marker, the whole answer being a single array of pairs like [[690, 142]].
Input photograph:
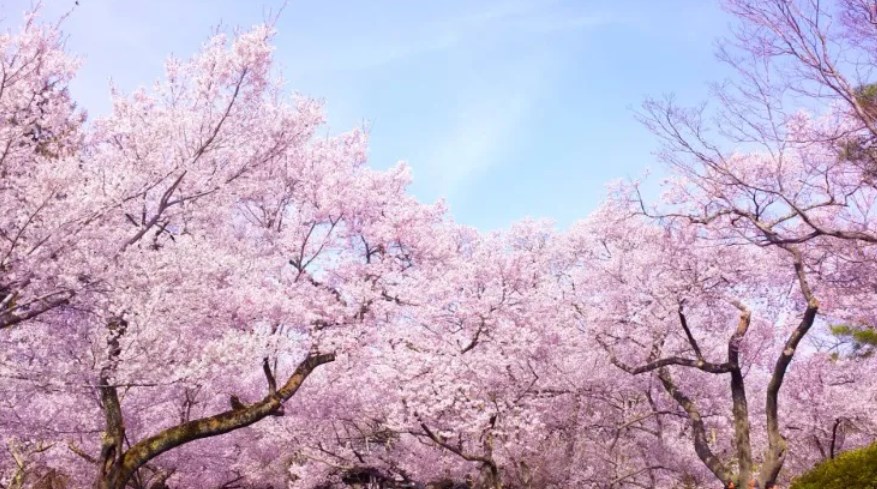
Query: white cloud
[[367, 48], [492, 115], [483, 130]]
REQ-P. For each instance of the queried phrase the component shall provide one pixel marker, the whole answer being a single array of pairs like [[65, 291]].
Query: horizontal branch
[[218, 424], [713, 368]]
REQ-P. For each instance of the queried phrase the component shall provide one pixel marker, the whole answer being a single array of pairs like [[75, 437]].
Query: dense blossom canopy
[[202, 289]]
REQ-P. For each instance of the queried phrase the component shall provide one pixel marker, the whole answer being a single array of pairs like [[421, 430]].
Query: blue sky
[[505, 108]]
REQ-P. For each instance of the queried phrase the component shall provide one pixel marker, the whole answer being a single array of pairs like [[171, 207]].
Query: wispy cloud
[[492, 115], [489, 118], [477, 139], [534, 17], [472, 71], [374, 48]]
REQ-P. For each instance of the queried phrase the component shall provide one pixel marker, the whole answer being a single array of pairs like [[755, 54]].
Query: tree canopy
[[200, 289]]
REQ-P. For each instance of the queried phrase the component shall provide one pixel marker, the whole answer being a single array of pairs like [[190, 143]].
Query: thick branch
[[740, 405], [713, 368], [486, 462], [272, 382], [447, 446], [701, 443], [776, 450], [10, 316], [691, 341], [218, 424], [114, 431], [834, 428]]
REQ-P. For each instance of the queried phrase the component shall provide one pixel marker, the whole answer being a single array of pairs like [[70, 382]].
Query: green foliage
[[867, 94], [855, 149], [861, 339], [854, 469], [861, 149]]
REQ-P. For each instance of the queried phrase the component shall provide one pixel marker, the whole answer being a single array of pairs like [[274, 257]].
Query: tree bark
[[490, 473], [740, 405], [114, 432], [775, 454], [701, 444], [125, 464]]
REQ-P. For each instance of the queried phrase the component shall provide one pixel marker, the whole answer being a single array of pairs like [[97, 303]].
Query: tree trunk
[[701, 444], [775, 454], [114, 432], [740, 406]]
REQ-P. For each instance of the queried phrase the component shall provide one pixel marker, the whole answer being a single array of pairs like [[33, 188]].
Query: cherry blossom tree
[[494, 383], [39, 138], [205, 289], [762, 199], [218, 239]]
